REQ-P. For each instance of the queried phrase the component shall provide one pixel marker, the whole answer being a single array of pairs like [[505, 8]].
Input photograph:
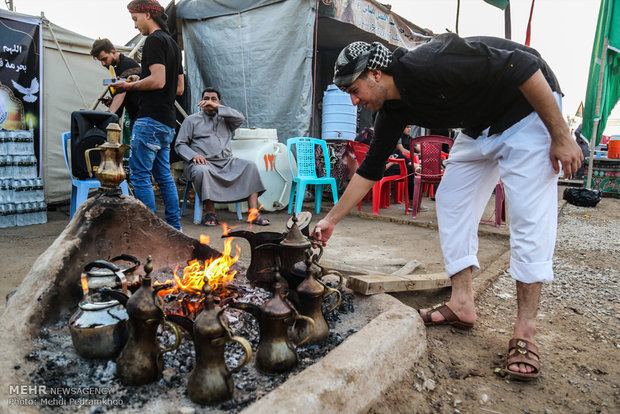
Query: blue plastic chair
[[198, 205], [306, 172], [80, 188]]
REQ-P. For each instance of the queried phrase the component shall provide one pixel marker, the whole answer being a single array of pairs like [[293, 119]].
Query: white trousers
[[520, 157]]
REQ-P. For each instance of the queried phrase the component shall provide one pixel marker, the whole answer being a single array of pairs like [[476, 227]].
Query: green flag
[[603, 88], [498, 3]]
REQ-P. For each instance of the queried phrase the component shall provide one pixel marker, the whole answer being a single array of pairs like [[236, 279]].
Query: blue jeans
[[150, 155]]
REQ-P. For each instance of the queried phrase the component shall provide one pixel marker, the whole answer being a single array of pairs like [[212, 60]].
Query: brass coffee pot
[[275, 352], [211, 382], [260, 258], [141, 360], [294, 246], [311, 293], [110, 171]]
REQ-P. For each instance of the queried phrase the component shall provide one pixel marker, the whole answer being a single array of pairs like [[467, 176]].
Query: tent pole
[[597, 111], [316, 48], [507, 23]]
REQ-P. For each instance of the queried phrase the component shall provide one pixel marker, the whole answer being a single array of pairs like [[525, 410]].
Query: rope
[[245, 92], [316, 31], [47, 23]]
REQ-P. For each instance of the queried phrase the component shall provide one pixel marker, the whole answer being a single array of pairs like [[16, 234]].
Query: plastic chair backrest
[[66, 136], [305, 156], [430, 154], [360, 150]]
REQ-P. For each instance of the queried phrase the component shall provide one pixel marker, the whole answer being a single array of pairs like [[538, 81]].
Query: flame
[[215, 271], [84, 282], [204, 239], [253, 213]]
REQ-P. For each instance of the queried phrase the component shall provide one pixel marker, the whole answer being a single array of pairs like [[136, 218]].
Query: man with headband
[[161, 80], [506, 102]]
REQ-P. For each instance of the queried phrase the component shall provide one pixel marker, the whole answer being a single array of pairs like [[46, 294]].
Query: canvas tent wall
[[70, 81], [261, 54]]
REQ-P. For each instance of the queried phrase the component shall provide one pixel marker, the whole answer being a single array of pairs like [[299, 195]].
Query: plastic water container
[[261, 146], [339, 115], [613, 147]]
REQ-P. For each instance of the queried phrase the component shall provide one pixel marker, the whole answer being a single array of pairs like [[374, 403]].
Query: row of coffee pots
[[108, 322]]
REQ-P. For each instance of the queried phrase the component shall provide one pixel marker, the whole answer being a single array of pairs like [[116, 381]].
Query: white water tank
[[262, 147]]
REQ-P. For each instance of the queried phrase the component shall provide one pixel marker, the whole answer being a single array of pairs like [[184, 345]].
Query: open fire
[[184, 296]]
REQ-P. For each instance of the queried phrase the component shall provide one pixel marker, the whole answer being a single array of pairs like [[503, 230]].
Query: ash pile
[[215, 347]]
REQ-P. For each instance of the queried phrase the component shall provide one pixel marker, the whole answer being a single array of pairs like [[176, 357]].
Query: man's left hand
[[199, 159]]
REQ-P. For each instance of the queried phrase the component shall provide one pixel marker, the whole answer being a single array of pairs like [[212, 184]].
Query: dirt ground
[[579, 318], [578, 335]]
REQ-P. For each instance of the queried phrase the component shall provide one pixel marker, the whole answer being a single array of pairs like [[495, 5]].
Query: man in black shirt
[[104, 51], [161, 80], [506, 101]]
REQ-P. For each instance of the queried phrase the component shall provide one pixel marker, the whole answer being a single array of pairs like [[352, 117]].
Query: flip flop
[[450, 318], [522, 352], [260, 221], [210, 219]]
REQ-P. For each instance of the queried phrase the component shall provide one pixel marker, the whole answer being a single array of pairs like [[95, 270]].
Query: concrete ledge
[[357, 372]]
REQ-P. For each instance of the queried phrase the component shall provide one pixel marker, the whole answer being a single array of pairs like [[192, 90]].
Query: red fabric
[[529, 26], [145, 6]]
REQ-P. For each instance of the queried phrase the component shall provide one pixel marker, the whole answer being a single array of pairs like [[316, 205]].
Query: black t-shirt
[[452, 82], [160, 48], [126, 67]]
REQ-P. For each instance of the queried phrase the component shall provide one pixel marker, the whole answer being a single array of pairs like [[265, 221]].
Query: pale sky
[[562, 30]]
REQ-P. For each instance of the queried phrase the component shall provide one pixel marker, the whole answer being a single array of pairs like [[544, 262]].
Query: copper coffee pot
[[211, 382], [110, 171], [275, 352], [311, 293], [260, 258], [140, 361]]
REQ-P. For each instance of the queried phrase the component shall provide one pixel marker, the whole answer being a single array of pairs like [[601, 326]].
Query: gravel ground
[[578, 336]]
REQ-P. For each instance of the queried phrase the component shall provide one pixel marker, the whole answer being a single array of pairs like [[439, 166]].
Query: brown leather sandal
[[450, 317], [520, 351]]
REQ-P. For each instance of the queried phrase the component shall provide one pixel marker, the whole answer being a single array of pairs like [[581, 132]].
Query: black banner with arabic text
[[20, 62]]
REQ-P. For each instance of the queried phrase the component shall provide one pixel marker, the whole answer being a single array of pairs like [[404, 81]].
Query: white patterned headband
[[357, 58]]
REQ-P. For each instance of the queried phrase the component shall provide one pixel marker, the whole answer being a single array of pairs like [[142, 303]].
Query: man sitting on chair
[[203, 143]]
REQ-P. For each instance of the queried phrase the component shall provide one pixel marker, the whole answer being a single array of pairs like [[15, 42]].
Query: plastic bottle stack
[[21, 191]]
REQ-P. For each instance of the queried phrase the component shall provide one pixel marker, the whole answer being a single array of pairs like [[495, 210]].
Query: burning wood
[[186, 289]]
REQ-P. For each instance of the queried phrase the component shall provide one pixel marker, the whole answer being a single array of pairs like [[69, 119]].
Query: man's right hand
[[199, 159], [208, 105], [107, 101], [323, 231]]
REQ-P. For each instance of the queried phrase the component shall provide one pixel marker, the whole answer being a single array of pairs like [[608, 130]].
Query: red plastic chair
[[431, 172], [500, 208], [380, 191]]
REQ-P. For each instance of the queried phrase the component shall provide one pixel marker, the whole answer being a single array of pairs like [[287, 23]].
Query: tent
[[70, 80], [272, 59]]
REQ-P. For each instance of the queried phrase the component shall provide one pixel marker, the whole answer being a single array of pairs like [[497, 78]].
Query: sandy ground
[[579, 331]]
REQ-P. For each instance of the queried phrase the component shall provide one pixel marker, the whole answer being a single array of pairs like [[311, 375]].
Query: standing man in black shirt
[[506, 101], [161, 81], [104, 51]]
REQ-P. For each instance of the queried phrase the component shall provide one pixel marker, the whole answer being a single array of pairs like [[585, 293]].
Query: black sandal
[[210, 219], [260, 221]]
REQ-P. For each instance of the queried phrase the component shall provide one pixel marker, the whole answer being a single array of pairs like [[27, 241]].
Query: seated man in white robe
[[203, 143]]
